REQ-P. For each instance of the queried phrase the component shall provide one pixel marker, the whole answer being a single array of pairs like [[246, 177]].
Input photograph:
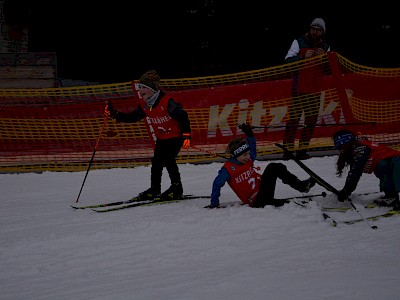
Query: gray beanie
[[319, 22]]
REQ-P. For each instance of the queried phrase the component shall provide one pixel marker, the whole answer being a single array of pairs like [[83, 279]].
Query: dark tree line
[[118, 41]]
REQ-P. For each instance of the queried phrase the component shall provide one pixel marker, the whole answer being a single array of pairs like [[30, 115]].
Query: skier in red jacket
[[252, 188], [171, 126], [363, 156]]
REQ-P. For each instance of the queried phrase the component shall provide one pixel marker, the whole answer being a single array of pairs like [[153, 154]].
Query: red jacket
[[165, 119], [378, 152], [309, 78], [244, 180], [160, 121]]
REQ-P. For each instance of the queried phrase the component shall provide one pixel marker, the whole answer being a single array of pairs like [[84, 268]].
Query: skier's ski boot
[[389, 200], [149, 194], [174, 192], [307, 185]]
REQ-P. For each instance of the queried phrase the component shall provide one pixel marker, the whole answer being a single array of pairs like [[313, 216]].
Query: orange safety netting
[[56, 129]]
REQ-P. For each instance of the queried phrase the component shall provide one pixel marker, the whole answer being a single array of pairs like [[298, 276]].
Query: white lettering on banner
[[325, 115], [277, 113], [244, 175], [220, 120], [256, 115]]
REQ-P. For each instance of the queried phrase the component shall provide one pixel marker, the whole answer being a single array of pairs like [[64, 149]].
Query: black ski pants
[[165, 154], [272, 172]]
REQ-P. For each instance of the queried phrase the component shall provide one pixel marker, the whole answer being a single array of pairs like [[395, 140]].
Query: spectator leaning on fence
[[306, 87]]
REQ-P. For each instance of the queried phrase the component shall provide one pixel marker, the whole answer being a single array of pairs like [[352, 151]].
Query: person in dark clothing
[[171, 126], [252, 188], [306, 87], [363, 156]]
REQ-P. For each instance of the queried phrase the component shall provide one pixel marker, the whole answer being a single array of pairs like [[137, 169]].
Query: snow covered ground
[[182, 251]]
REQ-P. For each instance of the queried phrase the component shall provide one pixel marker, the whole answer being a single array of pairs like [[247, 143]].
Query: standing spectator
[[306, 87], [252, 188], [171, 127], [363, 156]]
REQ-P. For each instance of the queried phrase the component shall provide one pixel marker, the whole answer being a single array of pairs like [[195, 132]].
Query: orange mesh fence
[[57, 129]]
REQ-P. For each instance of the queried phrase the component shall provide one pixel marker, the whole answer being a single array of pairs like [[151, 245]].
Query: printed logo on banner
[[219, 120]]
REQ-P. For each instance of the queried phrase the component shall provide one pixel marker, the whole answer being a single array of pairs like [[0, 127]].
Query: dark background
[[117, 41]]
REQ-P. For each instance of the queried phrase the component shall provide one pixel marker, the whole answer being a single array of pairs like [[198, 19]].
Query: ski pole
[[94, 152], [323, 194], [209, 152], [318, 125], [322, 182], [365, 219]]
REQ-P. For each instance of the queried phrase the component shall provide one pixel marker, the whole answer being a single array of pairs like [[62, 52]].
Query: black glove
[[247, 129], [110, 111], [211, 206], [342, 195]]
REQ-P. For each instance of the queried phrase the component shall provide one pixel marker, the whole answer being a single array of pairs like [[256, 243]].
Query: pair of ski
[[340, 208], [325, 210], [330, 188], [388, 214], [134, 202]]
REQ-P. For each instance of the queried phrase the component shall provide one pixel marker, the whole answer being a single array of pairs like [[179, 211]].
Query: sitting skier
[[363, 156], [252, 188]]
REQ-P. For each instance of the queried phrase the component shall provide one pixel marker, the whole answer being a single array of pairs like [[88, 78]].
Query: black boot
[[174, 192], [396, 204], [277, 202], [306, 185], [390, 199], [149, 194], [292, 180]]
